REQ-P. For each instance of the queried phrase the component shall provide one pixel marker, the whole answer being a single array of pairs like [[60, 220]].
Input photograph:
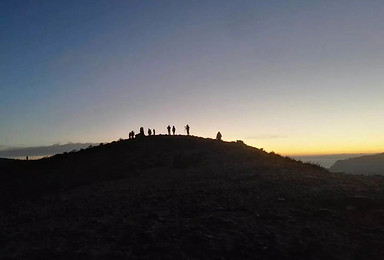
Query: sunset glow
[[293, 77]]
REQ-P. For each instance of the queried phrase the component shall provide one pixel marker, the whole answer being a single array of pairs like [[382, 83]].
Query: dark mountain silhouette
[[326, 160], [186, 197], [368, 164]]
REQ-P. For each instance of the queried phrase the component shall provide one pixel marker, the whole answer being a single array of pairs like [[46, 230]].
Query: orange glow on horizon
[[314, 150]]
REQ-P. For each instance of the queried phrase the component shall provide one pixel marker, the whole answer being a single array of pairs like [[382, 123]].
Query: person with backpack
[[169, 129]]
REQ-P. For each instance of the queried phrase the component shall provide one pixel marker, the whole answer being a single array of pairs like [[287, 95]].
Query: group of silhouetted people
[[141, 133], [169, 128], [173, 130], [153, 131]]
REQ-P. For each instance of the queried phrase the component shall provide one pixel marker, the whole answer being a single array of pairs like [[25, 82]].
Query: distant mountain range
[[326, 160], [14, 152], [368, 164]]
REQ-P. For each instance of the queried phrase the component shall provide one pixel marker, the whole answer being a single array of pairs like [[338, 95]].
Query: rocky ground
[[226, 202]]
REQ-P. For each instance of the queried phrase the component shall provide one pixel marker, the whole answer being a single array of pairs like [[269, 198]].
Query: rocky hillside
[[128, 158], [186, 198], [368, 165]]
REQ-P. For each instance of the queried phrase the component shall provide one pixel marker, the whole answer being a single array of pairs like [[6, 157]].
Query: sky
[[289, 76]]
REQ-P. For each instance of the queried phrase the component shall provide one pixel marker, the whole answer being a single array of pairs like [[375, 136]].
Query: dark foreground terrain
[[180, 197]]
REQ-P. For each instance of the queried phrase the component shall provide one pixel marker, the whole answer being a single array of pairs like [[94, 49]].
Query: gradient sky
[[292, 76]]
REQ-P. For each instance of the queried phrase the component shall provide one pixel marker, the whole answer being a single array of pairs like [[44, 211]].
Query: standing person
[[169, 129], [149, 131], [142, 131], [187, 128], [218, 136], [173, 130], [154, 132]]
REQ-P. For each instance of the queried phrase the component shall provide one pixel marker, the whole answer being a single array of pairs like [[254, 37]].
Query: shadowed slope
[[190, 198], [127, 158]]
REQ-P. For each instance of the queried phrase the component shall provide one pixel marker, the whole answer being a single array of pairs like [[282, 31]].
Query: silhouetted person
[[218, 136], [173, 130], [133, 134], [154, 132], [141, 133], [169, 129], [149, 131], [187, 128], [27, 158]]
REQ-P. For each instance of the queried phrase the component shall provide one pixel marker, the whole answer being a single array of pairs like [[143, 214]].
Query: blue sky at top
[[291, 76]]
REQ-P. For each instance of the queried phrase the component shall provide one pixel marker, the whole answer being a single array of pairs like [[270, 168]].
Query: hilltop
[[127, 158], [186, 197], [368, 164]]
